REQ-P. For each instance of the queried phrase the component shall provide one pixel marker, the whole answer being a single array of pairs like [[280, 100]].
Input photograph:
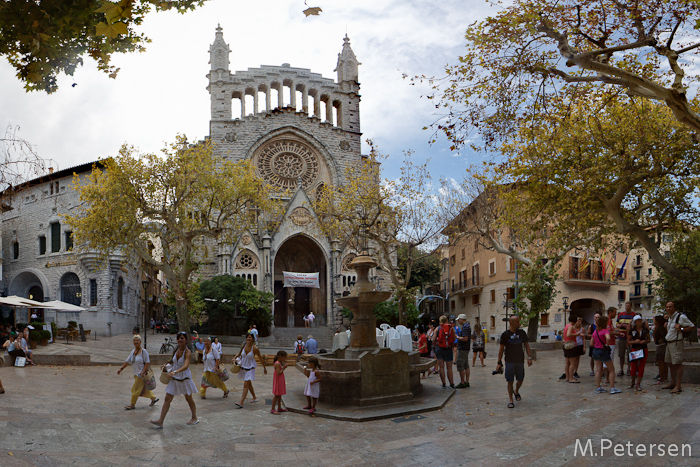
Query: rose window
[[283, 163], [288, 165]]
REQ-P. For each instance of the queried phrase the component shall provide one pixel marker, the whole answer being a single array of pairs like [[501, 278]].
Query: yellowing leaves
[[111, 30]]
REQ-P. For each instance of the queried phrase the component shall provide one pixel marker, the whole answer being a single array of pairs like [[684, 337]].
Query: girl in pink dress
[[279, 387]]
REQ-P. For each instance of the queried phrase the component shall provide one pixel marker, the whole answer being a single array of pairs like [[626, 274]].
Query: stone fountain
[[364, 374]]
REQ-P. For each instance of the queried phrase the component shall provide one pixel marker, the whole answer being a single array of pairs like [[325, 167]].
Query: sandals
[[282, 410], [620, 374], [311, 411], [511, 405], [226, 393], [574, 381], [2, 391], [676, 391], [129, 407], [158, 426], [668, 387], [238, 406], [519, 398], [153, 402], [307, 407], [253, 401], [274, 412], [193, 422]]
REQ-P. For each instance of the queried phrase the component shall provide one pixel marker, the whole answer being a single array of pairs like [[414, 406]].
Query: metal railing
[[470, 282], [589, 275]]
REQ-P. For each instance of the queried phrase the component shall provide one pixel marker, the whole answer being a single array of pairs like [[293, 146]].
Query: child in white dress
[[312, 389]]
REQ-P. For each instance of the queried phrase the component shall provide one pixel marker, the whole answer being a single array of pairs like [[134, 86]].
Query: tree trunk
[[183, 317], [532, 328]]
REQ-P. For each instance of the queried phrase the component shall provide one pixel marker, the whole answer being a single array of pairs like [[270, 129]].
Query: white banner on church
[[301, 279]]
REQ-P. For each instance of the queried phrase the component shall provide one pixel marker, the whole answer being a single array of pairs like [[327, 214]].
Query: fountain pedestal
[[364, 374]]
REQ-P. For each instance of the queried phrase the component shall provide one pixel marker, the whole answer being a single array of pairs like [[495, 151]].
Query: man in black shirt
[[512, 342]]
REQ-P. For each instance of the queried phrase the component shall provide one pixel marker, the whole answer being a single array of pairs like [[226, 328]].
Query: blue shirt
[[199, 346], [311, 346], [464, 331]]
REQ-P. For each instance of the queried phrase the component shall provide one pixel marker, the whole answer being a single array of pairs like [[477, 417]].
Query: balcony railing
[[588, 275], [469, 283]]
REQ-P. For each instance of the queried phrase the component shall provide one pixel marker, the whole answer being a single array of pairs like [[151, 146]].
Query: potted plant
[[34, 338], [72, 325], [45, 336]]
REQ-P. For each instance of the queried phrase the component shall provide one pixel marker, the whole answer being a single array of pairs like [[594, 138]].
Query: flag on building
[[622, 268], [584, 262], [613, 265]]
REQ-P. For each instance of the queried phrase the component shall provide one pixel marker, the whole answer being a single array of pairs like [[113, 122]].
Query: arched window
[[70, 289], [120, 293]]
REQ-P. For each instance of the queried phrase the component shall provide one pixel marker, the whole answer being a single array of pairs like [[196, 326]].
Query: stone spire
[[218, 51], [347, 63]]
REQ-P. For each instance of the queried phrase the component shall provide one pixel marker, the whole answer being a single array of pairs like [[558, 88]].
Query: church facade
[[302, 133]]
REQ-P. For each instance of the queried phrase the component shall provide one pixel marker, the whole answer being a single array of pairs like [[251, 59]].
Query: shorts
[[462, 360], [621, 348], [660, 352], [571, 353], [444, 353], [515, 371], [580, 350], [674, 353], [478, 349], [601, 355]]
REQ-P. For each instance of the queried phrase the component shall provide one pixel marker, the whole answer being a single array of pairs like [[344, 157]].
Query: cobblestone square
[[74, 415]]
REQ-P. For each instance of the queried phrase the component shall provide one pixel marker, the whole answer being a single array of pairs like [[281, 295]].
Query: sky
[[162, 92]]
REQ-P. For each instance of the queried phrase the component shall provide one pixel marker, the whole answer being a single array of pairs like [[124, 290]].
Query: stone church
[[302, 132]]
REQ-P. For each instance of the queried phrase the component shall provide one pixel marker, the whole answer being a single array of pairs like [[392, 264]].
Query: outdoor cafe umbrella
[[62, 306], [20, 302]]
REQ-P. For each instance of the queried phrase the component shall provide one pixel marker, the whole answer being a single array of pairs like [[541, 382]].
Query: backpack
[[299, 348], [690, 334], [446, 337]]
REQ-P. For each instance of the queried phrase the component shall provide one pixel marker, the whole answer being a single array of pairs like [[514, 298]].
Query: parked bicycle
[[168, 346]]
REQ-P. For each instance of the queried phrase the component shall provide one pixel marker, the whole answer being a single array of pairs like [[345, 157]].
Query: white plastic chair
[[342, 339], [393, 339], [405, 335], [380, 338]]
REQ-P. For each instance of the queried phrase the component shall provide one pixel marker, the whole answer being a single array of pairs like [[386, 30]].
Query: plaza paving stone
[[63, 415]]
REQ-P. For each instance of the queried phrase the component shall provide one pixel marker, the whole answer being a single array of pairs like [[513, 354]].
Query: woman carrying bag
[[181, 382], [210, 377], [140, 362]]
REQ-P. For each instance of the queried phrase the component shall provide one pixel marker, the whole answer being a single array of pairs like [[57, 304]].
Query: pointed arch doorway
[[299, 254]]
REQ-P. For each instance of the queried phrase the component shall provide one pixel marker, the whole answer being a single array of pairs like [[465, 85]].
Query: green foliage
[[45, 335], [54, 328], [72, 325], [347, 313], [34, 335], [425, 269], [228, 295], [388, 312], [684, 291], [42, 39], [536, 293]]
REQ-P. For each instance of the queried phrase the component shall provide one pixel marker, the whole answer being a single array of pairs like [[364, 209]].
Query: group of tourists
[[214, 374], [450, 343], [629, 334], [16, 344]]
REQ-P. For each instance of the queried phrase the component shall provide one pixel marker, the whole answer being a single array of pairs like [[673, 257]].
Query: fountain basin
[[366, 377]]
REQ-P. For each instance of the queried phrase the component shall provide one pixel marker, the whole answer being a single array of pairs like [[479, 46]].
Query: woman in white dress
[[217, 346], [181, 382], [210, 377], [248, 364], [139, 360]]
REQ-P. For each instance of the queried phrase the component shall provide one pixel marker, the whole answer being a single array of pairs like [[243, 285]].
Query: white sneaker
[[615, 391], [600, 391]]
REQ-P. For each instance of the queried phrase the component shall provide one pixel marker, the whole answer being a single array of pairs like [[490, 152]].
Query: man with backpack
[[443, 349], [299, 346], [678, 328]]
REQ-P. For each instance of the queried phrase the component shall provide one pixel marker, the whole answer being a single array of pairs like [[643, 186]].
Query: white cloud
[[163, 91]]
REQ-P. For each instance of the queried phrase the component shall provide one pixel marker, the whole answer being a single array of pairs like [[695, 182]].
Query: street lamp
[[506, 304], [565, 300], [478, 313], [145, 313]]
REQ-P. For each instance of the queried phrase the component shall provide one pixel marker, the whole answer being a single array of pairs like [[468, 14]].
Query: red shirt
[[423, 342]]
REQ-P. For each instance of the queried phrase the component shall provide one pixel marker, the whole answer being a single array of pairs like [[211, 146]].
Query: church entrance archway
[[299, 254], [586, 308]]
